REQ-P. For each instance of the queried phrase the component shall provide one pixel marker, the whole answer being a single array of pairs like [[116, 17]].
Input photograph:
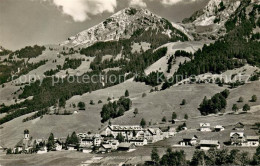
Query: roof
[[190, 137], [106, 146], [204, 124], [129, 128], [154, 130], [87, 139], [239, 125], [252, 137], [240, 134], [209, 142], [125, 145]]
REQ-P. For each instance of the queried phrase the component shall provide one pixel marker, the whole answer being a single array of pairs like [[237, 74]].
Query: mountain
[[210, 21], [124, 24]]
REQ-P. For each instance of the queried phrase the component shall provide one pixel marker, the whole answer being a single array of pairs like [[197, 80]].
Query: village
[[129, 137]]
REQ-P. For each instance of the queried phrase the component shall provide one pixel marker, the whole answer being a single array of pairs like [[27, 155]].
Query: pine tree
[[143, 123], [126, 93], [50, 143], [235, 108]]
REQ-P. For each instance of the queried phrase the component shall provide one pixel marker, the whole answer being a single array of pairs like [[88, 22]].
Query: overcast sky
[[29, 22]]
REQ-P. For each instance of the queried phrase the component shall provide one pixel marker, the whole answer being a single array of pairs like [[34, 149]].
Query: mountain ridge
[[122, 25]]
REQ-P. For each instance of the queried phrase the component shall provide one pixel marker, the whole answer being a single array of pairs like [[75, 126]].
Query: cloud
[[80, 10], [137, 3], [173, 2]]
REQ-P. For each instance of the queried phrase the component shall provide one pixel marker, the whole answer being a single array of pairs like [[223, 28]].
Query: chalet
[[86, 141], [72, 147], [82, 135], [42, 150], [153, 135], [189, 141], [86, 149], [105, 148], [172, 131], [205, 127], [251, 141], [138, 141], [219, 128], [236, 138], [126, 131], [125, 146], [207, 144], [58, 145], [97, 140], [112, 142], [239, 126]]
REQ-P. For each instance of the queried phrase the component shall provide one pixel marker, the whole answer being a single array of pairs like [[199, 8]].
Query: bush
[[81, 106], [186, 117], [254, 98], [183, 102], [164, 119], [240, 100], [246, 107], [91, 102]]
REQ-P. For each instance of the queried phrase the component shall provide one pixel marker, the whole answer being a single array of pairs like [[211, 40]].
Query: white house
[[86, 141], [97, 140], [138, 141], [153, 135], [172, 131], [251, 141], [207, 144], [237, 138], [58, 145], [86, 150], [204, 127], [71, 147], [189, 141], [42, 150], [113, 143], [219, 128]]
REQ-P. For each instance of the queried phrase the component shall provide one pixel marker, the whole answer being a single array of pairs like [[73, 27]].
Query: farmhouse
[[172, 131], [205, 127], [140, 141], [97, 140], [105, 148], [58, 145], [239, 126], [251, 141], [236, 138], [189, 141], [42, 150], [207, 144], [219, 128], [126, 146], [86, 141], [153, 135]]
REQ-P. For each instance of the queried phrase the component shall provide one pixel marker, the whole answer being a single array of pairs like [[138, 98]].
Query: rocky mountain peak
[[120, 25]]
